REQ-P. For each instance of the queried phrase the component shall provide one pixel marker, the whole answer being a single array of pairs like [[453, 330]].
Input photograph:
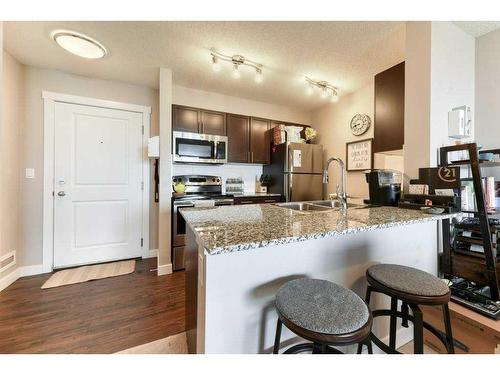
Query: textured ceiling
[[347, 54], [478, 28]]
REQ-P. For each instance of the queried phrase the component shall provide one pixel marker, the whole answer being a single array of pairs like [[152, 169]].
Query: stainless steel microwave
[[199, 148]]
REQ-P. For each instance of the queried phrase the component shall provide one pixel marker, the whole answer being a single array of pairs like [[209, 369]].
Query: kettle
[[179, 187]]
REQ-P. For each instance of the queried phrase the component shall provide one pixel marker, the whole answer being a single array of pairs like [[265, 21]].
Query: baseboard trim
[[36, 269], [152, 253], [19, 272], [165, 269], [9, 279]]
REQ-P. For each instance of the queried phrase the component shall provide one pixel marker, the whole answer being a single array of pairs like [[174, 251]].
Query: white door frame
[[49, 100]]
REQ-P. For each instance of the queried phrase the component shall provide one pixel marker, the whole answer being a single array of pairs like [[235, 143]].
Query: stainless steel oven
[[199, 148], [197, 188]]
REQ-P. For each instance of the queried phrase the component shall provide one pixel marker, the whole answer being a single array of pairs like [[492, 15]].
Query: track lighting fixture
[[327, 90], [236, 61]]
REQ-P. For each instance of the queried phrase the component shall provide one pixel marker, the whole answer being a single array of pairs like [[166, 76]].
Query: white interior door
[[98, 184]]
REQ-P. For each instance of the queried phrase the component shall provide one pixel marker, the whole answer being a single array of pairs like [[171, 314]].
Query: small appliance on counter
[[235, 185], [384, 186]]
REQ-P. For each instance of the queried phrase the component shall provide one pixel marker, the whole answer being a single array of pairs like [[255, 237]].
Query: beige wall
[[439, 76], [488, 90], [10, 144], [165, 192], [452, 80], [417, 96], [36, 81], [233, 104], [332, 122]]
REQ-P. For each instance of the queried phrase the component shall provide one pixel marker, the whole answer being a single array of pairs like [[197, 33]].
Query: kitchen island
[[237, 257]]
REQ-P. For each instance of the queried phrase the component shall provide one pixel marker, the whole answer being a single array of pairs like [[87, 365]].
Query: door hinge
[[142, 129], [142, 242], [142, 185]]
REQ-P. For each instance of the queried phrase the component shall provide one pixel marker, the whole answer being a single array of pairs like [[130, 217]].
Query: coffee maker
[[384, 186]]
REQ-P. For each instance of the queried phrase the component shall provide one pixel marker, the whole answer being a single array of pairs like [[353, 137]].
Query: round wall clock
[[360, 124]]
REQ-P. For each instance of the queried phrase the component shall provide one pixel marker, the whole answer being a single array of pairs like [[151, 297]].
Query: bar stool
[[412, 287], [323, 313]]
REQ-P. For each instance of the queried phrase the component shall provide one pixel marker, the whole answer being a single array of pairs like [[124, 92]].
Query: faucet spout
[[342, 189]]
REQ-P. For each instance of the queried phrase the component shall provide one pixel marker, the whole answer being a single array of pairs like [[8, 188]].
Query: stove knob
[[218, 180], [213, 179]]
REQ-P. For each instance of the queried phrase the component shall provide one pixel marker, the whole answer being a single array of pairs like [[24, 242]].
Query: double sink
[[327, 205]]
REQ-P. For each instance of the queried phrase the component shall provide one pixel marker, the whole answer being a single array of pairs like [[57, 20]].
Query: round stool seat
[[408, 280], [321, 306]]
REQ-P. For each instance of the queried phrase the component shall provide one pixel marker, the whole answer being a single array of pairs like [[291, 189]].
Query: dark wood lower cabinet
[[238, 134], [257, 200]]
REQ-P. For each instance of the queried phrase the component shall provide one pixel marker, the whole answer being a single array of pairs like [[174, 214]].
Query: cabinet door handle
[[270, 201], [246, 202], [252, 156]]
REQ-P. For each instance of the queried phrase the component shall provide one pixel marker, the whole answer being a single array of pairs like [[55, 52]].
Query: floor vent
[[7, 260]]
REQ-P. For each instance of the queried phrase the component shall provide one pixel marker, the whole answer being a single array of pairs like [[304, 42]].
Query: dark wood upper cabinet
[[186, 119], [259, 142], [389, 109], [238, 135], [213, 122]]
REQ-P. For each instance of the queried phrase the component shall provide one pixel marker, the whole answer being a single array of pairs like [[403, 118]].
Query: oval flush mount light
[[79, 44]]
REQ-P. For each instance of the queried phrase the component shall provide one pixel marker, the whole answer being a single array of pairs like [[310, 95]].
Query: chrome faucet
[[342, 189]]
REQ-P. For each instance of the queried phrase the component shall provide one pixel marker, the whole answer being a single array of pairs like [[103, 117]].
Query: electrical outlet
[[30, 173]]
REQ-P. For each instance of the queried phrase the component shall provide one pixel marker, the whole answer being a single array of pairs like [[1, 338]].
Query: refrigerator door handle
[[288, 187]]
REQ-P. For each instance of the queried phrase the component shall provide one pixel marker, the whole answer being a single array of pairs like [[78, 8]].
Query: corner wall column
[[165, 171]]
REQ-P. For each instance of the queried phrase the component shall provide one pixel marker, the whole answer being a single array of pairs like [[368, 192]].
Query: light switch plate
[[30, 173]]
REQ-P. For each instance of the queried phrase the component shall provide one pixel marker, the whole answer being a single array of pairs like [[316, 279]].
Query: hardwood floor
[[100, 316]]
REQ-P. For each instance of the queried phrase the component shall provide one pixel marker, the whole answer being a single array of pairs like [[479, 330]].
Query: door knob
[[61, 193]]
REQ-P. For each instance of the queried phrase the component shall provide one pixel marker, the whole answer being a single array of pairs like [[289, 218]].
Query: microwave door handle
[[214, 150]]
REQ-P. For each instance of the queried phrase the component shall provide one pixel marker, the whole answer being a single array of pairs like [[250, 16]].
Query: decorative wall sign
[[359, 155]]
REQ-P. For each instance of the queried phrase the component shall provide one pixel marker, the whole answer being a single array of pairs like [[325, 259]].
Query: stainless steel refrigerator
[[296, 171]]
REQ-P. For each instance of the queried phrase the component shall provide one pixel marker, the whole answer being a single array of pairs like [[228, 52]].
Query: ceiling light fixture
[[258, 76], [216, 64], [236, 72], [327, 90], [237, 61], [79, 44]]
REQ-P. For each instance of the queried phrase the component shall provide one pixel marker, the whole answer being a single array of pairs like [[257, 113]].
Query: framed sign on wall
[[359, 155]]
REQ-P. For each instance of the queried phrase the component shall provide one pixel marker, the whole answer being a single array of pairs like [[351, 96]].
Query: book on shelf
[[491, 190]]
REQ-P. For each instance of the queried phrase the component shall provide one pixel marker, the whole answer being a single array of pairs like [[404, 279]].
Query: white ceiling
[[347, 54], [478, 28]]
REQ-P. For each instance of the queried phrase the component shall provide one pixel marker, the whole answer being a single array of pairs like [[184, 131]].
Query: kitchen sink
[[302, 206], [332, 204], [327, 205]]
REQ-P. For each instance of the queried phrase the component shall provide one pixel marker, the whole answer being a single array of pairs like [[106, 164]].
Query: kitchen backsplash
[[249, 173]]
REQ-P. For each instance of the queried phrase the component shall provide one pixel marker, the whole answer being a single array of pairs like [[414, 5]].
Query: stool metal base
[[418, 325], [315, 347]]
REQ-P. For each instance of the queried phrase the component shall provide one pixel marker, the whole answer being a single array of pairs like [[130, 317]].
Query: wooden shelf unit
[[478, 267]]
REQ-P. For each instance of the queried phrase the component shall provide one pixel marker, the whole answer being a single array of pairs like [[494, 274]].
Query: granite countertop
[[227, 229]]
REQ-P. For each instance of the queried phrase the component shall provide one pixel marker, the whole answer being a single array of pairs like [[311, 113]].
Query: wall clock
[[360, 124]]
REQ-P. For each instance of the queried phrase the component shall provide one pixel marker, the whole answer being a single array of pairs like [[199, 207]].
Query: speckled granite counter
[[236, 228]]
